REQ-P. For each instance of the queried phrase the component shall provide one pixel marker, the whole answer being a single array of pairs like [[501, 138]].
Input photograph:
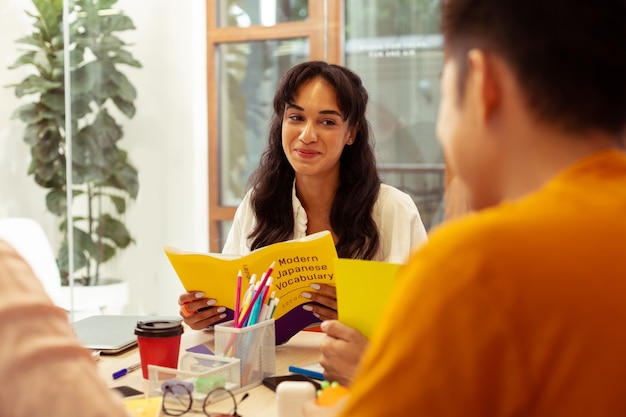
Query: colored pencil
[[238, 299], [257, 293]]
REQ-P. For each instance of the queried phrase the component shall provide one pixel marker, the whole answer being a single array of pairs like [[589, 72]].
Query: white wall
[[166, 141]]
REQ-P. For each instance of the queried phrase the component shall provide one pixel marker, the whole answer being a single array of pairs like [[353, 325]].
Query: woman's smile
[[314, 131]]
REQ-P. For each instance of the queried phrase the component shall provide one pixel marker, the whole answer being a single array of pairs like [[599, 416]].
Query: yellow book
[[363, 288], [298, 263]]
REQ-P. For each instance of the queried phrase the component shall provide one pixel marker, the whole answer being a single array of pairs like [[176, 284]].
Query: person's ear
[[351, 136], [484, 80]]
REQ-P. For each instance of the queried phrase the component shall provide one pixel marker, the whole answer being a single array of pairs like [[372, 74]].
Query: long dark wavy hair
[[359, 181]]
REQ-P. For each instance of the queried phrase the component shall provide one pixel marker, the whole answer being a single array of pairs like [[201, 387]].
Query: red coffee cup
[[159, 343]]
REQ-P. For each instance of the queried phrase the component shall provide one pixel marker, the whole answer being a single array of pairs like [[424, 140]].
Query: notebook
[[110, 334]]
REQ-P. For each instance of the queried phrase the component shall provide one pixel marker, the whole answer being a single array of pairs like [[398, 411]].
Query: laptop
[[111, 334]]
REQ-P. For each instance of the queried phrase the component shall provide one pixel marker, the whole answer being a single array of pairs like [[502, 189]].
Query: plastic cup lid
[[159, 328]]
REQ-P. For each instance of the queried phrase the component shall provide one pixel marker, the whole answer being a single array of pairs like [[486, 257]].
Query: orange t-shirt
[[518, 310]]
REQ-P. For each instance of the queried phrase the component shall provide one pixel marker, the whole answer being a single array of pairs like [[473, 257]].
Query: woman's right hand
[[199, 312]]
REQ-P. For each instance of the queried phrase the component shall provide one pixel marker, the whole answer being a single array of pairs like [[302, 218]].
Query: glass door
[[396, 48]]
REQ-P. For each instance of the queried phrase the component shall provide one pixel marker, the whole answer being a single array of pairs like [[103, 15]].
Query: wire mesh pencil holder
[[254, 346]]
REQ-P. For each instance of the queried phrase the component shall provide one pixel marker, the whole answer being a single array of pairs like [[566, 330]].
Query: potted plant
[[103, 179]]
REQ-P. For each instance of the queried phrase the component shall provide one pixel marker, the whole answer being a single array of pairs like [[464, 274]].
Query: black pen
[[124, 371]]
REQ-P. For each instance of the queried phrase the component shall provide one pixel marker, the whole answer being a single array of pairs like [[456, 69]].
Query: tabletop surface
[[302, 349]]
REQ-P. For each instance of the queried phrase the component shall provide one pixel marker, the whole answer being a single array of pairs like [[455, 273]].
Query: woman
[[318, 172]]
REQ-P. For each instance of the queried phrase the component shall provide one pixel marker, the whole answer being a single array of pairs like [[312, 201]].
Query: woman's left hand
[[325, 295]]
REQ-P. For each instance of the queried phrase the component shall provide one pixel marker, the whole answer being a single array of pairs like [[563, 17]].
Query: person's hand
[[311, 409], [199, 312], [325, 295], [342, 349]]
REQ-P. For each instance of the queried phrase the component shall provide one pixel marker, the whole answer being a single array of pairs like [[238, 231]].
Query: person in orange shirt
[[517, 309]]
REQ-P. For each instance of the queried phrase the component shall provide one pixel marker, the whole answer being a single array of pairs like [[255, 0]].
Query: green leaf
[[49, 17], [33, 40], [84, 79], [80, 259], [124, 57], [57, 74], [110, 42], [108, 132], [26, 59], [57, 42], [54, 100], [127, 179], [106, 4], [31, 134], [57, 5], [55, 181], [106, 90], [36, 131], [84, 241], [105, 253], [56, 202], [42, 62], [80, 106], [32, 166], [119, 203], [77, 56], [47, 148], [49, 174], [84, 249], [35, 84], [114, 23], [126, 107], [126, 90], [114, 230], [28, 113], [79, 173]]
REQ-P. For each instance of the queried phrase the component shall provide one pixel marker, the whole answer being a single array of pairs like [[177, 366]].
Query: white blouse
[[395, 214]]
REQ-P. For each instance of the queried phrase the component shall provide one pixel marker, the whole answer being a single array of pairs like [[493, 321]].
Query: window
[[393, 45]]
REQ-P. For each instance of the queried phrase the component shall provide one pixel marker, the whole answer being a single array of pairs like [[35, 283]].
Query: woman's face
[[314, 132]]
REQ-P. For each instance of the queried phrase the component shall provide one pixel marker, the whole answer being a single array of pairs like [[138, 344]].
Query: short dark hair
[[359, 181], [569, 56]]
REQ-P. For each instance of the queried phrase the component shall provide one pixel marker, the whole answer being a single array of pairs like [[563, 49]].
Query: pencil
[[238, 299], [255, 316], [274, 304], [257, 293], [246, 299]]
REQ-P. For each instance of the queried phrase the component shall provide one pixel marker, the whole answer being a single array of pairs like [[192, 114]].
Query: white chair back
[[31, 242]]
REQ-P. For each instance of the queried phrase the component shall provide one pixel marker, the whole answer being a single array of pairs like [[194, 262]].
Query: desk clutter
[[245, 356], [208, 369], [202, 381]]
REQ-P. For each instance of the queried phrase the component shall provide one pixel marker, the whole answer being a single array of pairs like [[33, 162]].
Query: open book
[[298, 264]]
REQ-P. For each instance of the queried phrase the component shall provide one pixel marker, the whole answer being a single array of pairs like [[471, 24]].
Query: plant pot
[[110, 296]]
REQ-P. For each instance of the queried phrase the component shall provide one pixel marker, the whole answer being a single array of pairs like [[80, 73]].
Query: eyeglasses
[[179, 397]]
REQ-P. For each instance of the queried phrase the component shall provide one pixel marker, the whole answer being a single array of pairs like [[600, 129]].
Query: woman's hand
[[199, 312], [342, 349], [325, 295]]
